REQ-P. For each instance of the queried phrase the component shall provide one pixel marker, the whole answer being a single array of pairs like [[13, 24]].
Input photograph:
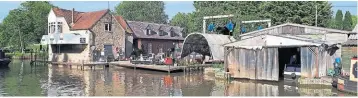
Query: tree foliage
[[184, 20], [347, 21], [149, 11], [25, 24], [339, 20], [300, 12], [354, 21]]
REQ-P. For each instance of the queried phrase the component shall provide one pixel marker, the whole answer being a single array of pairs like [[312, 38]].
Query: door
[[108, 51]]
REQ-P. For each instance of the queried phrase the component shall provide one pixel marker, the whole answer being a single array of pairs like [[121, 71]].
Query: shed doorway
[[284, 57]]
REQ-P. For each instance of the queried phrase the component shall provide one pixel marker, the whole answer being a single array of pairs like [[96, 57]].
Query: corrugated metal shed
[[257, 57], [274, 41], [293, 29], [208, 44]]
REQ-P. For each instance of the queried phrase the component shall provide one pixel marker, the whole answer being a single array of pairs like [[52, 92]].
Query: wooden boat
[[292, 71], [4, 61]]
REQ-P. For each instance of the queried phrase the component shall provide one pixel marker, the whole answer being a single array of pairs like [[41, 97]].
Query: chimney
[[72, 22]]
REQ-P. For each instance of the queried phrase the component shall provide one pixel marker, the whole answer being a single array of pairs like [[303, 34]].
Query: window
[[82, 40], [149, 47], [148, 32], [107, 27], [161, 33], [160, 48], [59, 27], [172, 34], [52, 27]]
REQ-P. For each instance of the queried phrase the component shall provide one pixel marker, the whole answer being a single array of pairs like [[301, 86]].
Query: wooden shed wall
[[315, 62], [254, 64]]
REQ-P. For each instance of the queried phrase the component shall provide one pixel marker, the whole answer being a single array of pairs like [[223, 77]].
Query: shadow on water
[[55, 80]]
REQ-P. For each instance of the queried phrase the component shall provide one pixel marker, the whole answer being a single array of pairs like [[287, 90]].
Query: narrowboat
[[4, 61]]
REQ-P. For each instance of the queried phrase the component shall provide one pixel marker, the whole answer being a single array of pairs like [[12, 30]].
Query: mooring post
[[83, 65], [31, 55], [168, 69], [35, 58]]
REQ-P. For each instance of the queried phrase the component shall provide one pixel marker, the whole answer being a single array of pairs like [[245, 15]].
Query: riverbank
[[26, 56]]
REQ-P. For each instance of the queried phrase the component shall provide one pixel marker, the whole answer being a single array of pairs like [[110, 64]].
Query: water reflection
[[21, 79]]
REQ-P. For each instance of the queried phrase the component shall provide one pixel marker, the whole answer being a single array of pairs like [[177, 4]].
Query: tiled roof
[[352, 40], [124, 24], [139, 29], [350, 43], [83, 20]]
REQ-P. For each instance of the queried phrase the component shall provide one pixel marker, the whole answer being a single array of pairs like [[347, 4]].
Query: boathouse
[[206, 44], [262, 54]]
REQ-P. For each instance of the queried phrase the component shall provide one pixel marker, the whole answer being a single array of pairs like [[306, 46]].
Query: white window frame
[[109, 26], [150, 48], [59, 27], [52, 27]]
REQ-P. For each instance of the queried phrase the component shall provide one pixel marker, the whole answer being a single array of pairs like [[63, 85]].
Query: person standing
[[293, 59]]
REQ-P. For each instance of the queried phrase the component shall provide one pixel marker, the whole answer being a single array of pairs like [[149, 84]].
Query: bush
[[221, 66]]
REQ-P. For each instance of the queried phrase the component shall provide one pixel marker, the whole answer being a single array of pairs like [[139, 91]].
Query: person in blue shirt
[[293, 60]]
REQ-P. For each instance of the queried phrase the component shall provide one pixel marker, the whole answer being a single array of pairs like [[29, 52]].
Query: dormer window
[[161, 33], [172, 34], [107, 27], [148, 32]]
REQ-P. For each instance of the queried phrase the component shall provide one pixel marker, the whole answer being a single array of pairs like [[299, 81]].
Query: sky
[[171, 7]]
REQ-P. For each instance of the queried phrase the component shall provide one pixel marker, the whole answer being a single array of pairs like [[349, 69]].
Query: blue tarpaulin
[[230, 26], [243, 29], [211, 27]]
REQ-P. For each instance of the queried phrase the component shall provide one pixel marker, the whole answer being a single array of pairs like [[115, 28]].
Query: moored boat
[[4, 61]]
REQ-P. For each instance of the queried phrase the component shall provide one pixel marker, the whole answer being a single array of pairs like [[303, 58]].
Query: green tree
[[184, 20], [300, 12], [26, 24], [354, 21], [347, 22], [339, 20], [149, 11]]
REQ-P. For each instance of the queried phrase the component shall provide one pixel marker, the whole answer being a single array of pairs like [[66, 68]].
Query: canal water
[[22, 79]]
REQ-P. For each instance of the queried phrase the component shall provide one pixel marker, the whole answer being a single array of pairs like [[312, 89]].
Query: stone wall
[[100, 37], [347, 53]]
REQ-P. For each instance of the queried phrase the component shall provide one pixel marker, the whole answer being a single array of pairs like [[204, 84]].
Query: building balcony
[[64, 38]]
